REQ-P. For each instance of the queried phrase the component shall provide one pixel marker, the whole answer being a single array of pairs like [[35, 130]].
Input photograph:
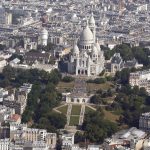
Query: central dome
[[86, 35]]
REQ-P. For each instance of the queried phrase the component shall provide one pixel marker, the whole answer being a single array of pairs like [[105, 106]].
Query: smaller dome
[[92, 20], [94, 51], [75, 49], [74, 15], [36, 10], [44, 31], [49, 10]]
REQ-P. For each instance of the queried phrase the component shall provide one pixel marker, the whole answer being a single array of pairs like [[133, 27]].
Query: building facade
[[4, 144], [86, 57], [140, 79], [144, 121], [22, 132]]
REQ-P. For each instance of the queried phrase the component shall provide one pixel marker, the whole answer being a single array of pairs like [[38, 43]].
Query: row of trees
[[17, 77], [68, 79], [128, 53], [42, 98], [96, 128], [97, 80], [131, 102], [98, 98]]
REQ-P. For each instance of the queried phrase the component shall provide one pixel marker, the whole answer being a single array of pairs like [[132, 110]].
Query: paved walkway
[[79, 86], [69, 113], [82, 114], [56, 108]]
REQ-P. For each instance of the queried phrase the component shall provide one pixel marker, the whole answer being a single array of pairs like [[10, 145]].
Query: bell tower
[[92, 26]]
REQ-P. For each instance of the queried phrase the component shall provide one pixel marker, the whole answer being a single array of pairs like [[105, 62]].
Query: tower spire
[[87, 22]]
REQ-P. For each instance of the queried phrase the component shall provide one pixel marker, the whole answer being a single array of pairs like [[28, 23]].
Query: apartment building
[[21, 132], [144, 121], [140, 79]]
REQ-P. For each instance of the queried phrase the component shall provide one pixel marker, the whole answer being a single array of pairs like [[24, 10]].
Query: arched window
[[78, 71], [86, 72]]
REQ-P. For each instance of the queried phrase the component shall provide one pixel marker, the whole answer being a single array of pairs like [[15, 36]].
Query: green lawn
[[110, 116], [91, 87], [74, 120], [88, 109], [65, 87], [63, 109], [76, 109]]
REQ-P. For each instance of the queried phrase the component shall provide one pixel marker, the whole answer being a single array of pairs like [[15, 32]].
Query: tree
[[57, 120], [96, 99], [9, 72], [79, 137], [123, 76], [68, 79], [26, 116], [97, 128], [124, 50], [141, 55], [97, 80], [143, 92], [55, 76]]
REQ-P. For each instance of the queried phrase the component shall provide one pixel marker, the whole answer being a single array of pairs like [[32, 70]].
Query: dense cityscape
[[74, 75]]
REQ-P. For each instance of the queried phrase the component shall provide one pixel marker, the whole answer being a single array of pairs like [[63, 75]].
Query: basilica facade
[[86, 58]]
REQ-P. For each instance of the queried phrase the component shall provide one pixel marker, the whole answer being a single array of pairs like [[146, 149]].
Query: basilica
[[86, 58]]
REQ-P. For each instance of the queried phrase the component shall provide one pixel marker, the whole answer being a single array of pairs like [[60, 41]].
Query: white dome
[[44, 31], [94, 51], [92, 20], [74, 16], [36, 10], [86, 35], [49, 10]]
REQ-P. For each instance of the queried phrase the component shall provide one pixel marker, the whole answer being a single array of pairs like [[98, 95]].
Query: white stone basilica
[[87, 57]]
